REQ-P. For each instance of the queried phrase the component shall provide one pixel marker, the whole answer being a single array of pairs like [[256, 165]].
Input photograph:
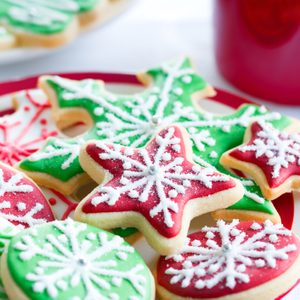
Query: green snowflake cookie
[[71, 260], [42, 16], [7, 231]]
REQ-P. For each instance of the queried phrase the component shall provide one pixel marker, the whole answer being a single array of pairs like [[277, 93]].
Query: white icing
[[279, 148], [75, 260], [226, 262], [251, 195], [28, 218], [13, 184], [147, 174], [213, 154]]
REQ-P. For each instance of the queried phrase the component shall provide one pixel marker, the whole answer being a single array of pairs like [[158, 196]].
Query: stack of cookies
[[144, 164], [48, 23]]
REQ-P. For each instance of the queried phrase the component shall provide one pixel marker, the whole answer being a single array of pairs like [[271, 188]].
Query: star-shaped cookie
[[271, 157], [157, 189]]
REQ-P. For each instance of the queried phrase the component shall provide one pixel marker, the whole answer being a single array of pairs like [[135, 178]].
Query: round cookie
[[7, 231], [21, 201], [232, 261], [71, 260], [24, 131]]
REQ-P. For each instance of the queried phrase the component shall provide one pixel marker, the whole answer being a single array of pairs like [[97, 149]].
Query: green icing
[[132, 120], [124, 232], [42, 17], [72, 260], [7, 231]]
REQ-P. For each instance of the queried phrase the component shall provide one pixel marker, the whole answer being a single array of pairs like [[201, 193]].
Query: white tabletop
[[151, 32]]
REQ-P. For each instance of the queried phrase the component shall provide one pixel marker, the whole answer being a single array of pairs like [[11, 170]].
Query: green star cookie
[[134, 119]]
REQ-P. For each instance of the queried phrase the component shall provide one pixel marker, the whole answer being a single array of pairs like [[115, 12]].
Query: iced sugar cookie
[[48, 23], [7, 40], [21, 201], [232, 261], [134, 119], [128, 120], [71, 260], [7, 231], [26, 130], [157, 189], [269, 156]]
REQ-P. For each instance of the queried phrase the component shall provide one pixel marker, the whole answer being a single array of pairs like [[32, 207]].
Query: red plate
[[284, 204]]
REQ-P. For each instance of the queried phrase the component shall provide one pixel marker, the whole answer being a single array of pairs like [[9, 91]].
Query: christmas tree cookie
[[48, 23], [26, 130], [232, 261], [157, 188], [21, 201], [270, 156], [71, 260], [128, 120]]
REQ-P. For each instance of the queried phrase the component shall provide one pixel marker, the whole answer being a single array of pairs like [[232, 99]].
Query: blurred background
[[150, 32]]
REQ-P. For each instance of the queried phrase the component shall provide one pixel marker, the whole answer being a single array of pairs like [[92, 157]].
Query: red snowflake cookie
[[231, 259], [157, 189], [270, 156], [21, 201]]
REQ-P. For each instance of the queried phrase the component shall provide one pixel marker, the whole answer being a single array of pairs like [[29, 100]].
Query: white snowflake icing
[[253, 196], [13, 184], [59, 148], [227, 261], [280, 148], [28, 218], [157, 173], [70, 259]]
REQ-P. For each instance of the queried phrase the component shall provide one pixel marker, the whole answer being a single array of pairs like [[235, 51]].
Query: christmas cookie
[[270, 156], [25, 131], [21, 201], [157, 189], [7, 40], [134, 119], [127, 120], [232, 261], [48, 23], [71, 260], [7, 231]]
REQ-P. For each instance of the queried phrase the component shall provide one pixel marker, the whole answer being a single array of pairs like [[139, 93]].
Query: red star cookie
[[271, 157], [237, 260], [157, 189], [21, 201]]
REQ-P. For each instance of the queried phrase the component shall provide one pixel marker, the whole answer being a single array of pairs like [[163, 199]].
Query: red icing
[[71, 206], [262, 161], [126, 203], [31, 203], [13, 150], [257, 276], [43, 121]]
